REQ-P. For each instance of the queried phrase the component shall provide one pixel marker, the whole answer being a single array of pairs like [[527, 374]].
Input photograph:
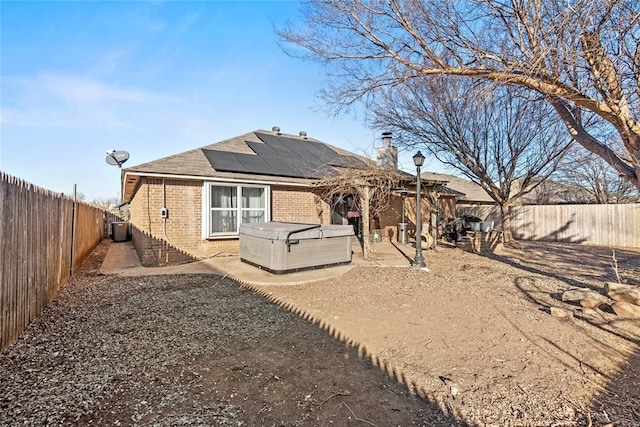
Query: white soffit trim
[[217, 179]]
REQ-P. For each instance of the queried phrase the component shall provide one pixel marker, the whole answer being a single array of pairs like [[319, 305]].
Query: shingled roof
[[259, 156], [467, 191]]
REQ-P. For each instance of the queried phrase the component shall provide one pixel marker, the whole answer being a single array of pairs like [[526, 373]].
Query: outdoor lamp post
[[404, 196], [418, 262]]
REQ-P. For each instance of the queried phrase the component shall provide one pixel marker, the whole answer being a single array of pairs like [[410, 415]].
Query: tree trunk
[[507, 236], [367, 245], [630, 170], [434, 227]]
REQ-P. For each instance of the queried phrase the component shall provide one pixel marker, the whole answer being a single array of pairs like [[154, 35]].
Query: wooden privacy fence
[[604, 225], [42, 236]]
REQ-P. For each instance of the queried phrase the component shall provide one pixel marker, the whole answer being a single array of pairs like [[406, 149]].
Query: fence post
[[73, 227]]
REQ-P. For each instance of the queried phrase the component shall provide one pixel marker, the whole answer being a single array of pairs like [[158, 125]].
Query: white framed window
[[226, 206]]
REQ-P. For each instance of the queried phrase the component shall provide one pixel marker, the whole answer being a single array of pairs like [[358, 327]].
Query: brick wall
[[182, 230], [446, 210], [154, 252], [183, 227], [447, 207], [390, 218], [295, 204]]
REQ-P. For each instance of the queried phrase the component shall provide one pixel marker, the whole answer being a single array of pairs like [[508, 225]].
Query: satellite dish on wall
[[116, 158]]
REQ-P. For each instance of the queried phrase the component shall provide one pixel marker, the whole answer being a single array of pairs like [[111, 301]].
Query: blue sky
[[154, 78]]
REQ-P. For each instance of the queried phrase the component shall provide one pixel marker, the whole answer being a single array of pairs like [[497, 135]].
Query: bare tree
[[79, 196], [373, 186], [106, 203], [547, 192], [581, 55], [588, 179], [496, 137]]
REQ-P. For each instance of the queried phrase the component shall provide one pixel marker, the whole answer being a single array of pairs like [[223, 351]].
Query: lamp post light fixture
[[418, 262]]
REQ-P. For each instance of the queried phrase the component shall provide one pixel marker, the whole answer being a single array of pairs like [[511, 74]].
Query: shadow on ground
[[435, 414], [589, 267], [576, 265], [193, 350], [621, 399]]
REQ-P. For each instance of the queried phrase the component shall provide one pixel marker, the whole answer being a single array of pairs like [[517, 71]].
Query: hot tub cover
[[289, 230]]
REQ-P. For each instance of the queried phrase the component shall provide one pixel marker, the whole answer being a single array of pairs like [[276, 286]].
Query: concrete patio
[[122, 259]]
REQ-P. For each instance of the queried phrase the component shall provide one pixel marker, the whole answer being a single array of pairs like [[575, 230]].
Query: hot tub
[[284, 247]]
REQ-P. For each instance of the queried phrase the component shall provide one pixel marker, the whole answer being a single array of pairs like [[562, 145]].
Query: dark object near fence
[[455, 228], [120, 231]]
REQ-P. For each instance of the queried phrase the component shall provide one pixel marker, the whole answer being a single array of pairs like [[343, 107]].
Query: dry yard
[[469, 343]]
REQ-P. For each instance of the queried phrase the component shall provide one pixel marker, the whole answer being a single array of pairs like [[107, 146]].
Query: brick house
[[190, 205]]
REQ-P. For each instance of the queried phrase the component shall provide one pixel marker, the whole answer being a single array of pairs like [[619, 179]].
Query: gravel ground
[[469, 343], [189, 350]]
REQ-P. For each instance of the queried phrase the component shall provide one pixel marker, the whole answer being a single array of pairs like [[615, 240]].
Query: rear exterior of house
[[190, 205], [192, 230]]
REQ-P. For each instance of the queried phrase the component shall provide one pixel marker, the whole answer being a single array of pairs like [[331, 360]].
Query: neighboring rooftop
[[468, 191]]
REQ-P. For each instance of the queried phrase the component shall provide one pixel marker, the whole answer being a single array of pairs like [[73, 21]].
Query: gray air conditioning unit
[[119, 231]]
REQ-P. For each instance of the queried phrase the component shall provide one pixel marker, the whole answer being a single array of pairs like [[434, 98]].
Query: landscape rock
[[579, 294], [454, 391], [626, 310], [632, 297], [561, 313], [591, 303], [620, 292], [612, 286], [591, 312]]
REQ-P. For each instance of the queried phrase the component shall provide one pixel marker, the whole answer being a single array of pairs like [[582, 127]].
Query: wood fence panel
[[21, 256], [89, 231], [4, 276], [604, 225], [35, 249]]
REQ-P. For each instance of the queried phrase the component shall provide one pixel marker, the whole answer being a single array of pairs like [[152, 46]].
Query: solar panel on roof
[[261, 149], [282, 167], [268, 139], [282, 149], [308, 170], [254, 164], [283, 156], [273, 141], [313, 148], [326, 171], [299, 148], [224, 161]]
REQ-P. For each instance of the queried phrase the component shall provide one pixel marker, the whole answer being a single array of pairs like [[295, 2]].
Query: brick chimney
[[387, 154]]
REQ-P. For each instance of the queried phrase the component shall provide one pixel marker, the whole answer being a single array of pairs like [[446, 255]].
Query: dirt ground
[[474, 335], [471, 342]]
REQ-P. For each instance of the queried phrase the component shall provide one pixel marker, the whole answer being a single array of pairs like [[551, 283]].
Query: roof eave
[[132, 180]]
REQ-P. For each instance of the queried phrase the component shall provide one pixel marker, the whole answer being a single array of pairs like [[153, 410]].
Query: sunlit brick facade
[[183, 226]]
